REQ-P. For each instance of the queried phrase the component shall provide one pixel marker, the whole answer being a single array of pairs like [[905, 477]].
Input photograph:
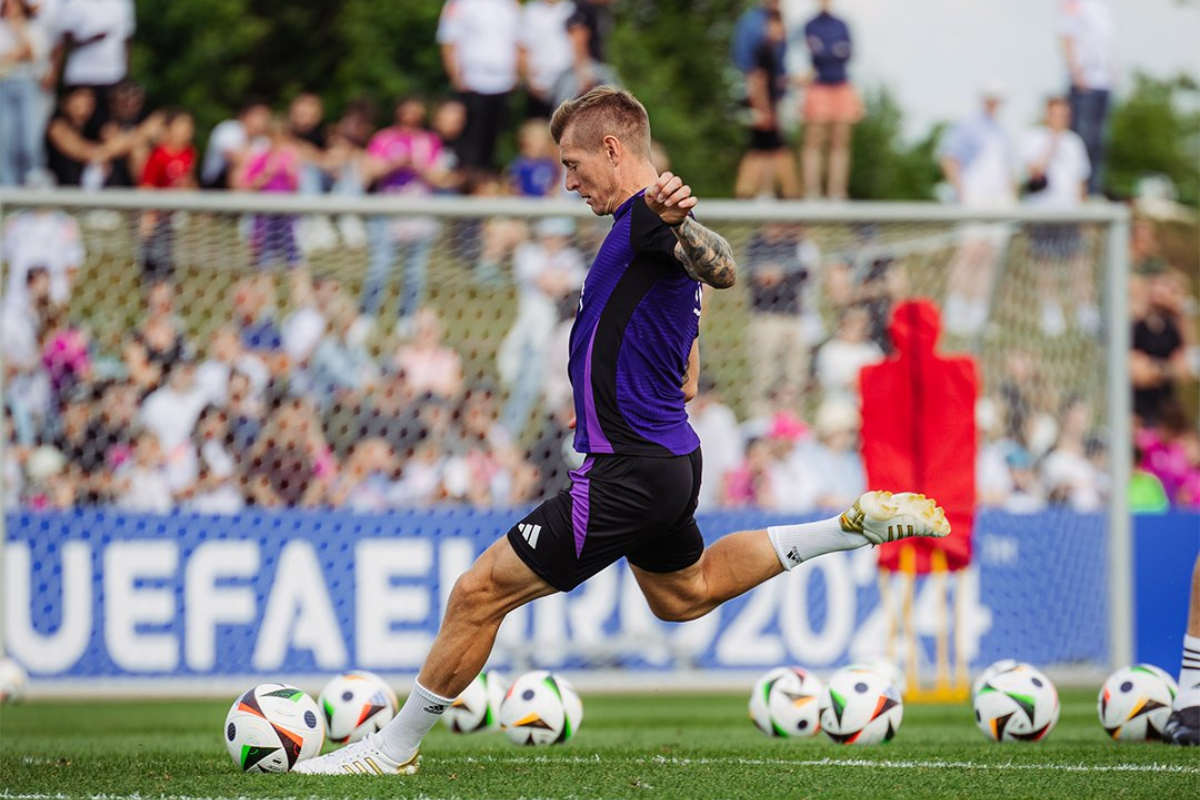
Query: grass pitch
[[645, 746]]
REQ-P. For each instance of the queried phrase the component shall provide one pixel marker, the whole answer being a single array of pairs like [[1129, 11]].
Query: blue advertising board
[[95, 594]]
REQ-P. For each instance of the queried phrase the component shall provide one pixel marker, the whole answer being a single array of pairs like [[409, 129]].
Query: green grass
[[648, 746]]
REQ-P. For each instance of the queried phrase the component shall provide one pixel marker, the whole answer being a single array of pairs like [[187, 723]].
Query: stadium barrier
[[102, 600], [879, 254]]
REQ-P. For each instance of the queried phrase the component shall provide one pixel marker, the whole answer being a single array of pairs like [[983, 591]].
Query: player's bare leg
[[496, 584], [737, 563], [1183, 726]]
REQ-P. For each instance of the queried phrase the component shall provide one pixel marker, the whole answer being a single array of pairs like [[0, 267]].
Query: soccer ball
[[1135, 702], [1003, 665], [12, 681], [540, 708], [356, 704], [787, 702], [478, 707], [1018, 704], [860, 706], [271, 727]]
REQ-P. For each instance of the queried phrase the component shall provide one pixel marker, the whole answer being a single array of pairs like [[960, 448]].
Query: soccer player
[[1183, 726], [634, 362]]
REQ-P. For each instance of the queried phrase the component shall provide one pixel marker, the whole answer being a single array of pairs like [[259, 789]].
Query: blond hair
[[604, 111]]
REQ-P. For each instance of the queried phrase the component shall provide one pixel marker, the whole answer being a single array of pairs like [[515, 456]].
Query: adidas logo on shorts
[[530, 533]]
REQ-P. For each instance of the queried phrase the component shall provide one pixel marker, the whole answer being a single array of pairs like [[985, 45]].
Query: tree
[[1150, 132], [884, 168]]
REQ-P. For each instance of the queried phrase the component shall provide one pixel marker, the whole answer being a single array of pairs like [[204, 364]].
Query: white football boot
[[885, 517], [360, 758]]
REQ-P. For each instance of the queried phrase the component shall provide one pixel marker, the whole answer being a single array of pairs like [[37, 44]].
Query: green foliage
[[884, 168], [1150, 132]]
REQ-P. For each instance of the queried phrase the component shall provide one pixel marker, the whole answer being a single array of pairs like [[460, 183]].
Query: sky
[[936, 54]]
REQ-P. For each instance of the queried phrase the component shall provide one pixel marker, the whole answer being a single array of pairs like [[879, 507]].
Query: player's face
[[591, 173]]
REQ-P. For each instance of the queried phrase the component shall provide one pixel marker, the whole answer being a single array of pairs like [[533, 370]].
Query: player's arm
[[704, 253]]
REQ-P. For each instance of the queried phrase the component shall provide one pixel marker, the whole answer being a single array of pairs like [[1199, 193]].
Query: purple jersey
[[638, 316]]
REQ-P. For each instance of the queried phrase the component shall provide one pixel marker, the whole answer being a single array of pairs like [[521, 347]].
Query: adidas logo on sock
[[530, 533], [436, 708]]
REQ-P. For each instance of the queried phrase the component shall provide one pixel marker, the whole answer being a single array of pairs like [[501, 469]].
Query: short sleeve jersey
[[638, 316]]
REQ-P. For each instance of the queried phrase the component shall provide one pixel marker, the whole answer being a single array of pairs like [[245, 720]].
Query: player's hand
[[670, 198]]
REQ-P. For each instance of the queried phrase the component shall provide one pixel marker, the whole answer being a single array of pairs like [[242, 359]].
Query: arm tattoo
[[705, 255]]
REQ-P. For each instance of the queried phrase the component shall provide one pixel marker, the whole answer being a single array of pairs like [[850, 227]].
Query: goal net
[[262, 437]]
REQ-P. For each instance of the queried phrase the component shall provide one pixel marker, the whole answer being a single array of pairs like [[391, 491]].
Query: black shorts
[[639, 507], [766, 141]]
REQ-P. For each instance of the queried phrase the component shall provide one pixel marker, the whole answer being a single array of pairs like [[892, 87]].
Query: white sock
[[1189, 674], [795, 544], [401, 737]]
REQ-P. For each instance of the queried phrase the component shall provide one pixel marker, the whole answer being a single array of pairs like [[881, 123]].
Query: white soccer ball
[[860, 706], [271, 727], [478, 707], [1018, 704], [541, 708], [1134, 703], [787, 702], [12, 681], [1003, 665], [356, 704]]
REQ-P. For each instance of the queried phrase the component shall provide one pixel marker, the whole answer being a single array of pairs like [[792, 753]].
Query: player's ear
[[613, 150]]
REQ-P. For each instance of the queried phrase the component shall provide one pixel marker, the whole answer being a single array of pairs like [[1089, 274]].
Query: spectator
[[142, 483], [12, 470], [254, 314], [780, 259], [131, 129], [534, 172], [479, 41], [274, 169], [545, 52], [978, 162], [1163, 449], [429, 365], [110, 434], [26, 386], [1159, 361], [171, 165], [225, 356], [216, 488], [1088, 34], [75, 156], [50, 485], [749, 32], [290, 464], [448, 122], [1146, 492], [768, 166], [720, 438], [841, 359], [46, 238], [834, 456], [170, 412], [22, 46], [159, 342], [97, 36], [589, 28], [231, 141], [486, 469], [66, 356], [246, 411], [831, 104], [1027, 495], [306, 127], [497, 237], [390, 413], [342, 368], [302, 329], [1058, 168], [69, 436], [402, 160], [548, 273], [553, 452], [1068, 470], [366, 481]]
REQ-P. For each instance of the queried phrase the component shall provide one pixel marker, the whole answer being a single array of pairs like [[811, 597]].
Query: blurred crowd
[[307, 401]]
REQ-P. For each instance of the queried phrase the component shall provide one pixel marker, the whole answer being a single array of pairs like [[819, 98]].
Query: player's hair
[[604, 111]]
